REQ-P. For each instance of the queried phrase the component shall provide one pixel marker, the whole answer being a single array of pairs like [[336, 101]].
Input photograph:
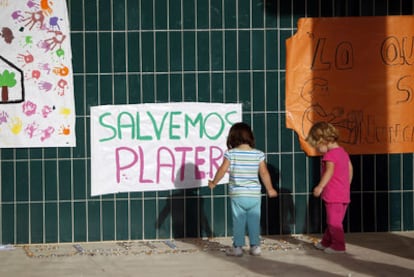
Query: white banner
[[36, 78], [153, 147]]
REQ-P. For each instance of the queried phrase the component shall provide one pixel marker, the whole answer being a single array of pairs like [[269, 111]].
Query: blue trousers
[[246, 212]]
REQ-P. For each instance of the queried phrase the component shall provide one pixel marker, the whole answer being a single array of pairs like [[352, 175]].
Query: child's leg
[[239, 221], [253, 220], [335, 213]]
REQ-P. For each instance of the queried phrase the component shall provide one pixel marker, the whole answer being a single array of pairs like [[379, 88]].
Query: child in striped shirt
[[245, 164]]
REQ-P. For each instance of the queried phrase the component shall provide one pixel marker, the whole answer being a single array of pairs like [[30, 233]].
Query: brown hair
[[240, 133], [322, 132]]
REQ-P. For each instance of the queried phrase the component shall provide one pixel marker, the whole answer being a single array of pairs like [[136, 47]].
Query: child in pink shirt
[[334, 185]]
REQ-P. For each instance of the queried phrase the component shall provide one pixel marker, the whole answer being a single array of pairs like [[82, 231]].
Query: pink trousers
[[334, 236]]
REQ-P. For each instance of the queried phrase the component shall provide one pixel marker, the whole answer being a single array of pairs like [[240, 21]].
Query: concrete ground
[[368, 254]]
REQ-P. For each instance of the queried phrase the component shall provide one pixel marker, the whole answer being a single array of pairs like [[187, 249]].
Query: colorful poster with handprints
[[358, 74], [155, 147], [36, 78]]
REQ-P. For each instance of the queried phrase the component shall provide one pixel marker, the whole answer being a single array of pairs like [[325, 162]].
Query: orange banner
[[358, 74]]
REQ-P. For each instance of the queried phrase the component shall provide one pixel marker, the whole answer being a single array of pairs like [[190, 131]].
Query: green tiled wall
[[225, 51]]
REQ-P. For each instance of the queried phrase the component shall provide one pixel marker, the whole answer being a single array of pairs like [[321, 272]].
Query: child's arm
[[329, 171], [267, 181], [219, 174]]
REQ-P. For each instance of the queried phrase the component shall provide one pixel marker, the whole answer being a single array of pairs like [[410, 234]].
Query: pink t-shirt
[[338, 188]]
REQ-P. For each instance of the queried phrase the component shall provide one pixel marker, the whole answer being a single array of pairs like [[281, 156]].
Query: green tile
[[65, 180], [286, 136], [301, 207], [35, 181], [230, 55], [51, 180], [407, 171], [190, 87], [162, 88], [108, 220], [147, 19], [257, 14], [133, 57], [121, 96], [107, 86], [217, 93], [188, 17], [91, 55], [22, 223], [259, 130], [395, 161], [216, 51], [230, 86], [203, 85], [407, 209], [7, 227], [175, 51], [119, 11], [51, 222], [122, 224], [161, 51], [300, 168], [243, 14], [7, 181], [90, 15], [270, 217], [381, 175], [368, 212], [216, 11], [65, 222], [119, 45], [258, 50], [221, 216], [7, 154], [134, 84], [21, 154], [105, 17], [259, 94], [176, 83], [354, 211], [283, 35], [203, 51], [244, 55], [161, 16], [382, 208], [150, 215], [285, 18], [92, 84], [175, 16], [148, 89], [189, 43], [137, 219], [147, 40], [79, 221], [230, 14], [106, 49], [78, 55], [75, 16], [367, 177], [79, 90], [271, 14], [202, 14], [36, 223], [272, 43], [396, 218], [94, 221], [245, 91], [287, 176], [133, 14], [272, 132]]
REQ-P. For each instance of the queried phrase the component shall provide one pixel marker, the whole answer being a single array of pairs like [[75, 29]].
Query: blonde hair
[[322, 132]]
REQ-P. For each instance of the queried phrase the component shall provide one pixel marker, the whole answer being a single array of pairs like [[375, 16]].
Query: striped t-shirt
[[244, 171]]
